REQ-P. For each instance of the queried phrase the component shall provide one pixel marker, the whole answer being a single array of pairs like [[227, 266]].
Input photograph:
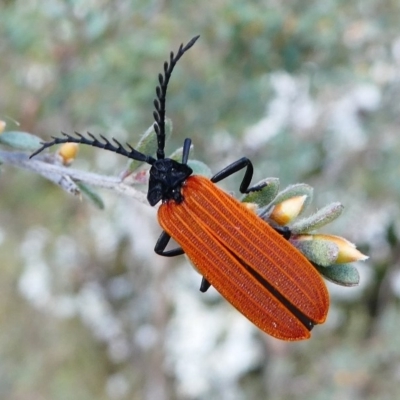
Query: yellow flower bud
[[289, 209], [68, 152], [2, 126], [347, 250]]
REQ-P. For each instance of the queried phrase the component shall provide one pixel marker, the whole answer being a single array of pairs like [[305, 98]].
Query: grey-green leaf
[[148, 143], [320, 218], [321, 252], [177, 154], [341, 274], [199, 168], [20, 140], [91, 195], [264, 196], [299, 189]]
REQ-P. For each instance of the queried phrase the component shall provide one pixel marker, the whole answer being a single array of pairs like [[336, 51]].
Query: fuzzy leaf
[[177, 154], [341, 274], [148, 143], [264, 196], [20, 140], [299, 189], [91, 195], [321, 252], [322, 217], [347, 250], [199, 168]]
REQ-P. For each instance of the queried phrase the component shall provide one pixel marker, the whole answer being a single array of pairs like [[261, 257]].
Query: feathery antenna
[[161, 92], [159, 117], [106, 145]]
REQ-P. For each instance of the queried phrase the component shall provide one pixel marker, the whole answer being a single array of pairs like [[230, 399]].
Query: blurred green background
[[310, 91]]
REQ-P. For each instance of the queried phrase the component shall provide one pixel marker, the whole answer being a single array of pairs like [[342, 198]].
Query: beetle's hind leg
[[283, 231], [205, 285], [162, 243], [160, 247]]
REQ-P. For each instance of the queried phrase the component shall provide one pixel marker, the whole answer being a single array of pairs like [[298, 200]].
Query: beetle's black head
[[166, 179]]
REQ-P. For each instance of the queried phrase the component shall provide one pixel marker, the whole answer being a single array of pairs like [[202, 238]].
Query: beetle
[[248, 262]]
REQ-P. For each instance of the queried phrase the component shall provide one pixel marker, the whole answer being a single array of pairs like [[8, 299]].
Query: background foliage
[[310, 92]]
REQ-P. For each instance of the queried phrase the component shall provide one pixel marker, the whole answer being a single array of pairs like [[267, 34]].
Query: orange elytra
[[250, 263]]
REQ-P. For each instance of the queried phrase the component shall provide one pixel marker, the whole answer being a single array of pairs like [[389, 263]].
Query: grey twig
[[65, 176]]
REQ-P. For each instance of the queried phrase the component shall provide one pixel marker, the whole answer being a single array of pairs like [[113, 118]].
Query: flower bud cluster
[[330, 254]]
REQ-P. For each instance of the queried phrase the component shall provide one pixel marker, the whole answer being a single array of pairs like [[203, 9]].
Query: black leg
[[284, 231], [162, 243], [186, 150], [205, 285], [235, 167], [159, 248]]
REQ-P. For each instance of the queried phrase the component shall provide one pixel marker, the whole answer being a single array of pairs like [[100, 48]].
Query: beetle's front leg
[[236, 166]]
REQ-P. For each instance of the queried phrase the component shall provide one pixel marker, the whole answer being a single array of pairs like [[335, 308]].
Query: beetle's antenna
[[105, 144], [161, 92], [159, 117]]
